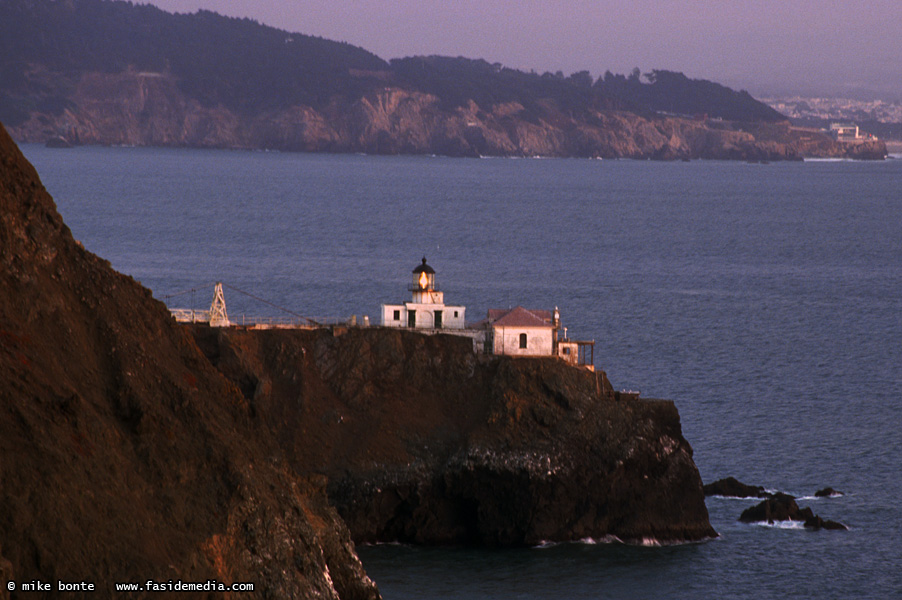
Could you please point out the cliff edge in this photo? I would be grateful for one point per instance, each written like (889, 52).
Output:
(124, 456)
(424, 441)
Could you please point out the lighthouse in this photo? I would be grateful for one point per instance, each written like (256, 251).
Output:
(427, 308)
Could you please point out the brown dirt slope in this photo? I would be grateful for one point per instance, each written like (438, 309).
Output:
(124, 456)
(424, 441)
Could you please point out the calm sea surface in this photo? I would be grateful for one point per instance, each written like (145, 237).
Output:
(765, 300)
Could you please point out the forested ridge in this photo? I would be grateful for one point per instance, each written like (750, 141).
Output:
(246, 67)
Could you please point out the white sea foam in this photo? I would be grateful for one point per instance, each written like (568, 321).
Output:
(782, 524)
(740, 498)
(649, 542)
(400, 544)
(605, 539)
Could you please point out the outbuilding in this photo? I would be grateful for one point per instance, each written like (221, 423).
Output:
(521, 332)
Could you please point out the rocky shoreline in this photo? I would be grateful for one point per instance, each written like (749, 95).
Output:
(149, 109)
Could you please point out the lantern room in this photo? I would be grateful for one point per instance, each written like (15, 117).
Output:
(422, 285)
(423, 277)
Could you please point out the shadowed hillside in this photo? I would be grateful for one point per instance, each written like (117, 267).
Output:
(124, 456)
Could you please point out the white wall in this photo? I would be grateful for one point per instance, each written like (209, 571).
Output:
(425, 315)
(388, 315)
(507, 341)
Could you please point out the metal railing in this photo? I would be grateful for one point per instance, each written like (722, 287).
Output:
(190, 315)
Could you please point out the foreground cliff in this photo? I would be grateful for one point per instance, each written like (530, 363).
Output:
(423, 441)
(124, 456)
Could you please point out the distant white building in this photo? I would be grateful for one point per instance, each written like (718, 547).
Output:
(427, 308)
(844, 132)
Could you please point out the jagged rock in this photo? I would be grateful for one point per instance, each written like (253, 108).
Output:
(730, 487)
(124, 455)
(783, 507)
(816, 522)
(423, 441)
(827, 492)
(779, 507)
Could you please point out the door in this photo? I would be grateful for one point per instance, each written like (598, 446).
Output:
(438, 319)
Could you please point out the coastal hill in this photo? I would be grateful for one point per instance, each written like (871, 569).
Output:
(135, 448)
(104, 72)
(124, 456)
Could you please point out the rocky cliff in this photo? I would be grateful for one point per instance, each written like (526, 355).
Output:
(424, 441)
(124, 456)
(150, 109)
(111, 72)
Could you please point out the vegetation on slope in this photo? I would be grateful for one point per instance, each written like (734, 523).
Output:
(249, 68)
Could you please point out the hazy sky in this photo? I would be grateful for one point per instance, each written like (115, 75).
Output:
(765, 46)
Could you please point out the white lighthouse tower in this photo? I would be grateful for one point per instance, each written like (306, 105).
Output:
(427, 308)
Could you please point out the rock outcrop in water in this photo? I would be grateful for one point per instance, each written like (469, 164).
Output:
(730, 487)
(423, 441)
(783, 507)
(124, 456)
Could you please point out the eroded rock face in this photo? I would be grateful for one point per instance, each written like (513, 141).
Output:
(730, 487)
(423, 441)
(123, 454)
(778, 507)
(149, 109)
(783, 507)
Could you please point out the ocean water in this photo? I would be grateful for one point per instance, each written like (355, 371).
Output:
(765, 300)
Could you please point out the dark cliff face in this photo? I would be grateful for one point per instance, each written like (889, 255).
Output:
(423, 441)
(123, 454)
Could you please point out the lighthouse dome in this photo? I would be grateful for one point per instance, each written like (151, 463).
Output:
(424, 268)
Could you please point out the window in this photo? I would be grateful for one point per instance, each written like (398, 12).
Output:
(566, 350)
(397, 315)
(523, 340)
(455, 314)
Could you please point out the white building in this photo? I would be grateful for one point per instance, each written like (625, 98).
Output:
(521, 332)
(427, 308)
(529, 332)
(844, 131)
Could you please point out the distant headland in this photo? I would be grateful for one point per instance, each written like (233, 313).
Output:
(117, 73)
